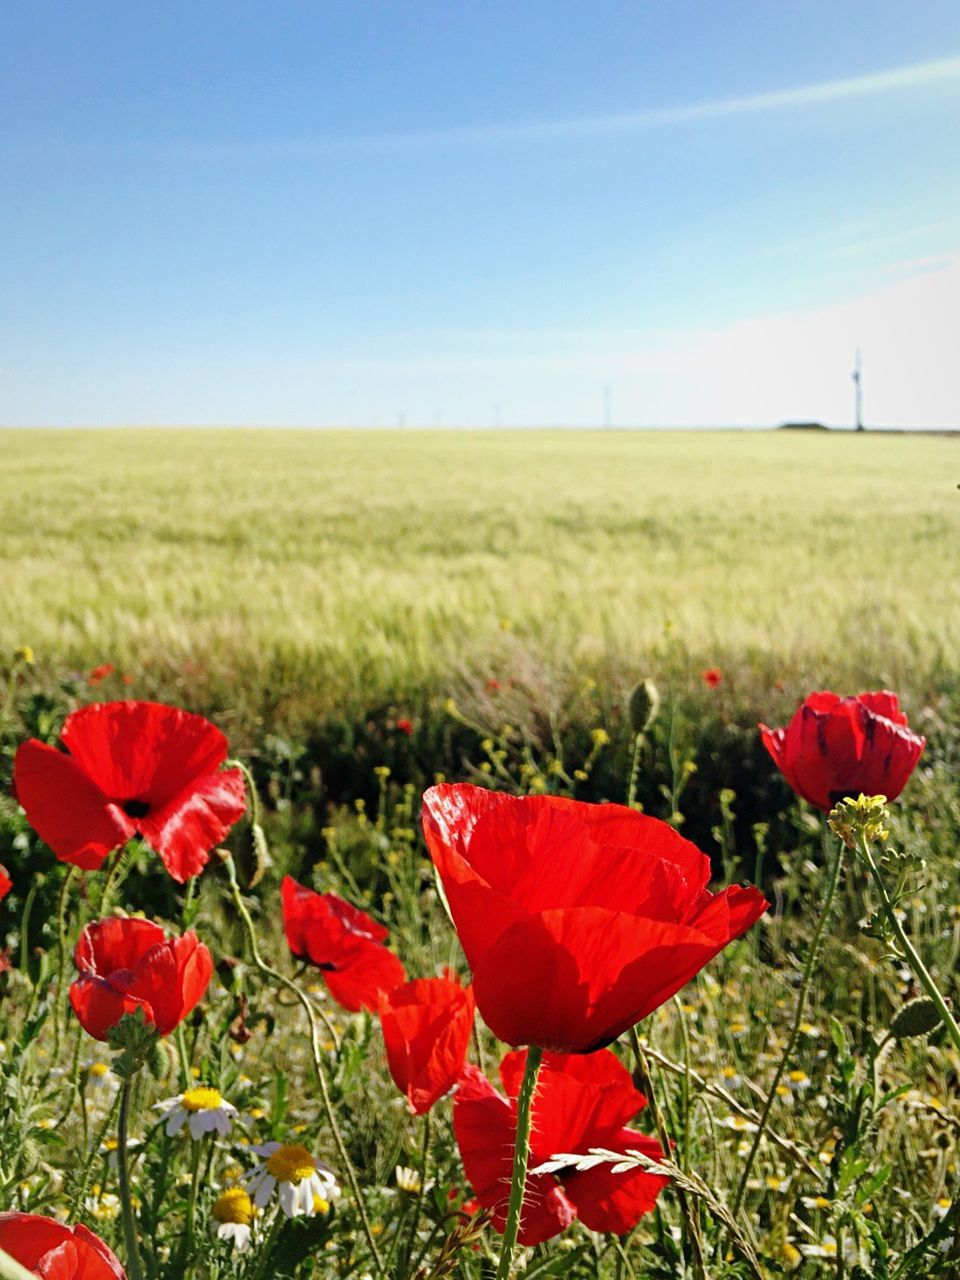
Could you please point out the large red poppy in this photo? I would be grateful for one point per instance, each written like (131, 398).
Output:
(55, 1251)
(577, 919)
(131, 768)
(426, 1029)
(836, 747)
(581, 1101)
(343, 942)
(128, 964)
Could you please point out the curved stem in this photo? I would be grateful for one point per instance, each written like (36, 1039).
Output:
(134, 1264)
(521, 1154)
(916, 964)
(318, 1067)
(832, 882)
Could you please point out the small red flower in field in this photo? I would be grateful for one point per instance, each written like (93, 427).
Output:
(127, 964)
(405, 726)
(131, 768)
(99, 674)
(57, 1252)
(577, 919)
(343, 942)
(6, 884)
(127, 679)
(493, 685)
(712, 677)
(836, 747)
(426, 1028)
(581, 1101)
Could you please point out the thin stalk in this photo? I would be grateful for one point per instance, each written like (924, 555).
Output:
(318, 1066)
(812, 956)
(638, 741)
(920, 970)
(62, 902)
(691, 1222)
(134, 1265)
(521, 1154)
(10, 1268)
(404, 1262)
(187, 1245)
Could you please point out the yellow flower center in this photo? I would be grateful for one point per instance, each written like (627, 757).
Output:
(200, 1099)
(100, 1069)
(320, 1205)
(234, 1205)
(291, 1163)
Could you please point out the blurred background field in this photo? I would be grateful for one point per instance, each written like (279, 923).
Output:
(290, 576)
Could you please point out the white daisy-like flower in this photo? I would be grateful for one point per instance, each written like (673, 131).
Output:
(306, 1185)
(101, 1077)
(202, 1110)
(942, 1207)
(233, 1211)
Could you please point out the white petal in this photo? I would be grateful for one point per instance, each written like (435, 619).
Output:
(175, 1122)
(288, 1199)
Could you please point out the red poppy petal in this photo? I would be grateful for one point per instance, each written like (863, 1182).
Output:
(116, 942)
(56, 1251)
(185, 830)
(615, 1202)
(99, 1006)
(576, 1095)
(27, 1237)
(66, 809)
(883, 703)
(426, 1028)
(6, 884)
(371, 973)
(97, 1261)
(143, 750)
(172, 978)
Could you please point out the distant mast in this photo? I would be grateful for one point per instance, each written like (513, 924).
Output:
(857, 377)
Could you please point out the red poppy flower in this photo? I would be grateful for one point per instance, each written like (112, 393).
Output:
(836, 747)
(581, 1101)
(129, 768)
(712, 676)
(577, 919)
(6, 884)
(343, 942)
(55, 1251)
(128, 964)
(405, 726)
(426, 1028)
(99, 674)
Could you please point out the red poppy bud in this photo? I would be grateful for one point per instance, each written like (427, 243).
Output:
(127, 964)
(131, 768)
(712, 677)
(6, 884)
(836, 747)
(426, 1029)
(344, 944)
(577, 919)
(405, 726)
(55, 1251)
(581, 1101)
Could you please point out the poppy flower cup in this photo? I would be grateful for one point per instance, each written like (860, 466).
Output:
(426, 1029)
(836, 747)
(127, 964)
(131, 768)
(344, 944)
(581, 1101)
(577, 920)
(55, 1251)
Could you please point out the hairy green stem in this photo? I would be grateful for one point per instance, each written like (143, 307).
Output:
(10, 1269)
(812, 956)
(62, 902)
(134, 1265)
(318, 1065)
(521, 1155)
(638, 741)
(187, 1245)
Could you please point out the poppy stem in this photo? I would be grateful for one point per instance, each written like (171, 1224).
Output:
(62, 902)
(10, 1268)
(318, 1066)
(920, 970)
(134, 1265)
(691, 1222)
(521, 1154)
(785, 1057)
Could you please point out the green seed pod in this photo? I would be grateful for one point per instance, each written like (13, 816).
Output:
(644, 706)
(916, 1018)
(261, 855)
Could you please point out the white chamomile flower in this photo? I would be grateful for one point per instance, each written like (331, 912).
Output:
(203, 1110)
(234, 1212)
(306, 1185)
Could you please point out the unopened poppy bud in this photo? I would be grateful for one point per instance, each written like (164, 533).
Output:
(644, 706)
(916, 1018)
(261, 855)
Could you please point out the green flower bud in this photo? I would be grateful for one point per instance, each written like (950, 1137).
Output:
(916, 1018)
(644, 706)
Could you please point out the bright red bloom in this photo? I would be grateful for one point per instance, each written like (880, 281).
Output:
(581, 1101)
(128, 964)
(129, 768)
(712, 676)
(343, 942)
(404, 726)
(6, 884)
(57, 1252)
(577, 919)
(99, 674)
(836, 747)
(426, 1028)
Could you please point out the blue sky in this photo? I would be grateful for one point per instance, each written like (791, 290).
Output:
(364, 212)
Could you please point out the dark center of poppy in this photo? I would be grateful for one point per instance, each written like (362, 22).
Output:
(135, 808)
